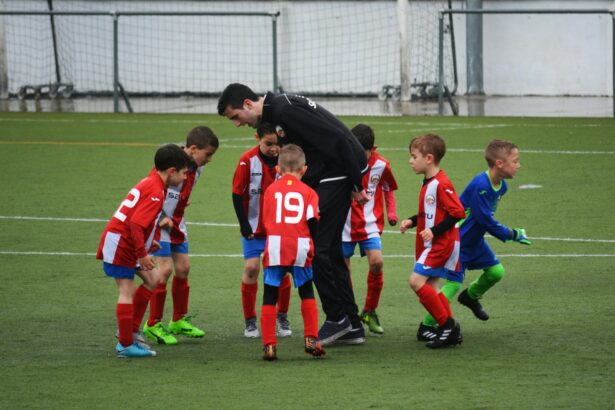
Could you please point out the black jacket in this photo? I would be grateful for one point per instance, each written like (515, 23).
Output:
(332, 152)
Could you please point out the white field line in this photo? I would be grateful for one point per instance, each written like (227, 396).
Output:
(230, 255)
(234, 225)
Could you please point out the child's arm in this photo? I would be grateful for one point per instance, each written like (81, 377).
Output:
(480, 209)
(389, 200)
(244, 224)
(408, 223)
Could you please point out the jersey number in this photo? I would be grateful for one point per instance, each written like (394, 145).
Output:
(293, 205)
(128, 204)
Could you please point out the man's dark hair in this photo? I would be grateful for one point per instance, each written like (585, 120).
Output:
(264, 128)
(234, 95)
(202, 137)
(171, 156)
(365, 135)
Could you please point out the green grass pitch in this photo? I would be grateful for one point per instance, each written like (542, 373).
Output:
(549, 344)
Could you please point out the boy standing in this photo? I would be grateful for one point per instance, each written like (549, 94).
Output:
(255, 171)
(480, 200)
(437, 238)
(290, 217)
(365, 223)
(126, 239)
(201, 145)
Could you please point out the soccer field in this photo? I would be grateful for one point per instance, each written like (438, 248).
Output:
(549, 343)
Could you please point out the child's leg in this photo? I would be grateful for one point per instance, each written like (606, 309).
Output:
(156, 306)
(309, 310)
(180, 289)
(268, 315)
(375, 280)
(449, 290)
(428, 296)
(124, 311)
(284, 294)
(486, 281)
(143, 295)
(249, 287)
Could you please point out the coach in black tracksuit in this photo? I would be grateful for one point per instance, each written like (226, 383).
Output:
(336, 162)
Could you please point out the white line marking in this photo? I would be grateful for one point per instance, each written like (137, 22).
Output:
(233, 225)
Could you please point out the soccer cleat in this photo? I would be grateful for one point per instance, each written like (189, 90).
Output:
(313, 347)
(448, 334)
(251, 330)
(138, 339)
(473, 304)
(331, 331)
(425, 333)
(370, 318)
(184, 327)
(283, 325)
(356, 336)
(134, 350)
(159, 334)
(270, 353)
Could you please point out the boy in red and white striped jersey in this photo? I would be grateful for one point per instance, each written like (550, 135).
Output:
(437, 237)
(365, 223)
(290, 216)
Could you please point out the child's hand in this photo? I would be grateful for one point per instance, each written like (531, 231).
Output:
(165, 223)
(392, 222)
(147, 263)
(405, 225)
(155, 247)
(426, 235)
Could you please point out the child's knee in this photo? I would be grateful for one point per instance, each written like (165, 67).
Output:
(416, 281)
(495, 273)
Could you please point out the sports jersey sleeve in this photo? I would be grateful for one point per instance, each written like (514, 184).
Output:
(241, 178)
(147, 208)
(449, 201)
(481, 212)
(388, 179)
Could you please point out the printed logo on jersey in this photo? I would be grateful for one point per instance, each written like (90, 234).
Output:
(155, 199)
(430, 199)
(257, 174)
(375, 179)
(280, 131)
(450, 191)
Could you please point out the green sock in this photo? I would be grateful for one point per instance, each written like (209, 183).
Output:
(449, 290)
(485, 281)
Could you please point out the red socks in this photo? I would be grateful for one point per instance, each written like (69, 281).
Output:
(248, 299)
(432, 302)
(268, 318)
(180, 291)
(139, 304)
(123, 312)
(309, 312)
(156, 304)
(374, 289)
(284, 294)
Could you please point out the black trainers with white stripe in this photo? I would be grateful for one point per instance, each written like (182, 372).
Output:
(425, 333)
(448, 335)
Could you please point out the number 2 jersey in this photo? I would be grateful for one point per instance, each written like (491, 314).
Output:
(288, 205)
(367, 220)
(175, 204)
(130, 231)
(437, 201)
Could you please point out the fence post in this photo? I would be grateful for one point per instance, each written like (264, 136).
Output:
(274, 29)
(613, 66)
(116, 80)
(440, 63)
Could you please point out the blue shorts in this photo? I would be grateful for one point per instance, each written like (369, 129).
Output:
(166, 248)
(480, 256)
(425, 270)
(253, 248)
(273, 275)
(119, 272)
(366, 245)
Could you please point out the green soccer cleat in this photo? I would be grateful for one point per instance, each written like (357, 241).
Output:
(184, 327)
(159, 334)
(371, 320)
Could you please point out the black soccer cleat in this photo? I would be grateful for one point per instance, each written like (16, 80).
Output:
(448, 335)
(473, 304)
(425, 333)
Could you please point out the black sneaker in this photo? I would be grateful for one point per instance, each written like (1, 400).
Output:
(473, 304)
(356, 336)
(448, 335)
(425, 333)
(331, 331)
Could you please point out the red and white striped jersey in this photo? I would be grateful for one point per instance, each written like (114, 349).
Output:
(175, 205)
(142, 206)
(251, 179)
(288, 205)
(438, 200)
(367, 220)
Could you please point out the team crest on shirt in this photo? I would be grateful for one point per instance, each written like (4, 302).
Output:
(375, 179)
(430, 199)
(280, 131)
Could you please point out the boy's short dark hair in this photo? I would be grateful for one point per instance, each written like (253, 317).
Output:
(291, 158)
(265, 128)
(365, 135)
(234, 95)
(429, 144)
(498, 149)
(202, 137)
(171, 156)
